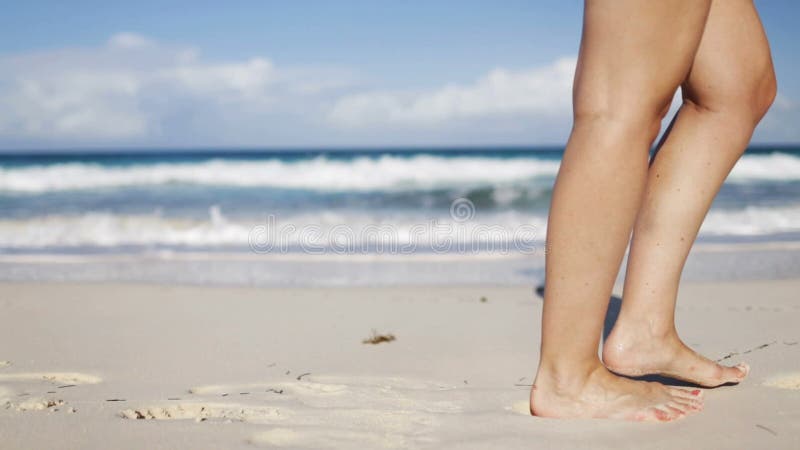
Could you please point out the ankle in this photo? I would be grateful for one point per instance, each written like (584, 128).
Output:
(643, 330)
(565, 378)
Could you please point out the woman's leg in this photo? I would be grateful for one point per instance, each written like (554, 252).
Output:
(634, 54)
(728, 90)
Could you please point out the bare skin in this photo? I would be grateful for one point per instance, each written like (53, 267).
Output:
(633, 57)
(720, 56)
(729, 88)
(605, 395)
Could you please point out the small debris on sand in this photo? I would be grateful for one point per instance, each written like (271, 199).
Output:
(378, 338)
(767, 429)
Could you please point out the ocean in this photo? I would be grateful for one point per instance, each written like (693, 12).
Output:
(414, 202)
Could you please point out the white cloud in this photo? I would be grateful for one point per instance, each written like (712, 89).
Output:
(129, 88)
(72, 104)
(543, 91)
(127, 40)
(248, 78)
(133, 90)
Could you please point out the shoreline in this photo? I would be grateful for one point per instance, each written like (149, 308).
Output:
(774, 260)
(212, 255)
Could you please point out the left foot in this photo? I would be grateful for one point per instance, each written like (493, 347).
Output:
(639, 353)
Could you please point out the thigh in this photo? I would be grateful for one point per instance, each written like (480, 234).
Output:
(732, 69)
(635, 53)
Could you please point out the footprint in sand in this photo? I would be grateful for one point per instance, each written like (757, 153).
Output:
(786, 381)
(39, 404)
(204, 411)
(52, 377)
(347, 392)
(321, 411)
(29, 391)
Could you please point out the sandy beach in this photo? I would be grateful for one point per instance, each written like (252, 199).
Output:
(328, 225)
(160, 366)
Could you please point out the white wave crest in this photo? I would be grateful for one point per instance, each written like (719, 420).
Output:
(310, 230)
(772, 166)
(324, 174)
(385, 173)
(325, 229)
(752, 221)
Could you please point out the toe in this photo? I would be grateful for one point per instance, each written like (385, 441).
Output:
(693, 394)
(673, 410)
(712, 374)
(744, 370)
(678, 410)
(662, 413)
(653, 415)
(689, 401)
(734, 374)
(690, 405)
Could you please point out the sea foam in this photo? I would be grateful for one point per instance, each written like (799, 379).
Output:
(325, 229)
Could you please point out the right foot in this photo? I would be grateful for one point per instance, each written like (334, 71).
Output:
(633, 351)
(605, 395)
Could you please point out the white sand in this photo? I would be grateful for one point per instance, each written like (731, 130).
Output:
(131, 367)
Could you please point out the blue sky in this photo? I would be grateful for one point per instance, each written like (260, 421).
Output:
(309, 73)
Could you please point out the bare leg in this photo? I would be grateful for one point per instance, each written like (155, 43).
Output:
(729, 89)
(634, 54)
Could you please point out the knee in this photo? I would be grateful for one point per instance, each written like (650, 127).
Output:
(764, 95)
(757, 96)
(630, 121)
(745, 99)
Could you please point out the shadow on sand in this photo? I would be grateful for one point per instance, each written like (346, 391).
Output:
(614, 306)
